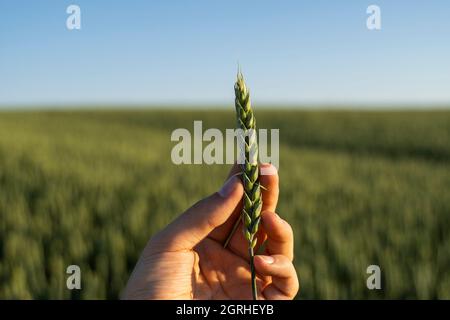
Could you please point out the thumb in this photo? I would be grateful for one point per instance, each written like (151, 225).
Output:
(199, 220)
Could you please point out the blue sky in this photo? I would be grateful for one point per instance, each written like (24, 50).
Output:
(291, 52)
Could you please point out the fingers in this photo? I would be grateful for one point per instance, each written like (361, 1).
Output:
(268, 176)
(280, 237)
(285, 283)
(199, 220)
(280, 246)
(269, 180)
(239, 244)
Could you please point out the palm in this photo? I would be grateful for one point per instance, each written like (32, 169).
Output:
(220, 273)
(209, 271)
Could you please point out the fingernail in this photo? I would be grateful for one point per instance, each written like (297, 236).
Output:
(228, 187)
(267, 259)
(268, 169)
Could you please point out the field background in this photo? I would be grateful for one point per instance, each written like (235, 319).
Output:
(359, 188)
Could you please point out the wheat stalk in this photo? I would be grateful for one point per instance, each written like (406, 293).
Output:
(252, 199)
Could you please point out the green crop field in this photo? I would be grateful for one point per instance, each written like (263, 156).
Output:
(359, 188)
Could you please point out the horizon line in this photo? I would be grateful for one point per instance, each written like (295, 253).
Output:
(223, 106)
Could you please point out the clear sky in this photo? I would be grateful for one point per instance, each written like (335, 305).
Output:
(136, 52)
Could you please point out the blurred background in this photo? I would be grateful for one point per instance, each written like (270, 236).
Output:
(86, 116)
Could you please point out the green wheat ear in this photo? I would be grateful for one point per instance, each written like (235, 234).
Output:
(252, 200)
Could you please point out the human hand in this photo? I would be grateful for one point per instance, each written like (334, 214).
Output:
(187, 260)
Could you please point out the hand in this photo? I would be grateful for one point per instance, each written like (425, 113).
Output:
(187, 260)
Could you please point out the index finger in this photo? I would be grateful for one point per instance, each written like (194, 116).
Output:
(269, 180)
(280, 237)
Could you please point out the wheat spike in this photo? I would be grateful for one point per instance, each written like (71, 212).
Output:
(252, 199)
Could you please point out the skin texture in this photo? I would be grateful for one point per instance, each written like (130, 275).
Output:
(186, 260)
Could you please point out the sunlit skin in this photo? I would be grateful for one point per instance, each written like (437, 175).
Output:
(187, 260)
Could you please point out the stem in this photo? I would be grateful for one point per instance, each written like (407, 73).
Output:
(252, 263)
(252, 268)
(230, 235)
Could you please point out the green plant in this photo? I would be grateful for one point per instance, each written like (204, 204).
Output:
(252, 199)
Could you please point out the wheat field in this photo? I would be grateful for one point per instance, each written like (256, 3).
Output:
(359, 188)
